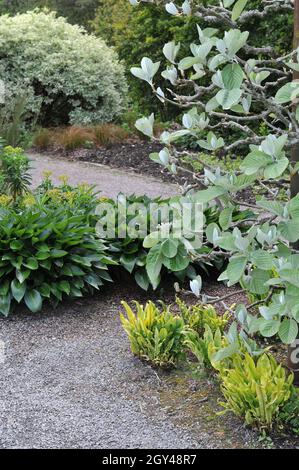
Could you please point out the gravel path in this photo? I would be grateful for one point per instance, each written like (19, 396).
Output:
(109, 181)
(70, 381)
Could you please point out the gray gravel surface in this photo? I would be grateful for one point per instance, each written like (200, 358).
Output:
(109, 181)
(70, 381)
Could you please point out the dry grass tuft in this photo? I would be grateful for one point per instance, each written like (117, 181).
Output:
(75, 137)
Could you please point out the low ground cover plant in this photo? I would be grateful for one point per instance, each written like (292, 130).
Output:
(255, 386)
(256, 390)
(155, 336)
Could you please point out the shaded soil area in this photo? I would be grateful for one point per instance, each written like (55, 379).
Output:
(73, 383)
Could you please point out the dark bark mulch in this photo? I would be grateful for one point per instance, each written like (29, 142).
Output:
(133, 156)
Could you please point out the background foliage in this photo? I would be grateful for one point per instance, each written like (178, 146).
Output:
(66, 75)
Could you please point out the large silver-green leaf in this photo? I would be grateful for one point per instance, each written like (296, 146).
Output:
(235, 269)
(227, 98)
(288, 331)
(232, 76)
(287, 93)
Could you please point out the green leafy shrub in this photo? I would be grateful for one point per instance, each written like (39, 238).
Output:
(155, 336)
(14, 172)
(150, 257)
(69, 76)
(256, 391)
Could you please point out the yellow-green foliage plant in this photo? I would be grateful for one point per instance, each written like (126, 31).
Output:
(198, 317)
(155, 336)
(255, 391)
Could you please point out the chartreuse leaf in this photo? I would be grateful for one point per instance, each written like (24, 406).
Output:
(238, 8)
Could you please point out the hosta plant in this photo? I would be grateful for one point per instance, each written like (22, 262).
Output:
(48, 254)
(149, 253)
(256, 391)
(155, 335)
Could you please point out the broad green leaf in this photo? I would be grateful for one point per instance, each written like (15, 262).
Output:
(287, 93)
(254, 161)
(58, 253)
(276, 169)
(232, 76)
(290, 230)
(170, 50)
(31, 263)
(18, 290)
(269, 328)
(5, 301)
(235, 269)
(227, 98)
(274, 207)
(33, 300)
(142, 280)
(169, 248)
(188, 62)
(154, 265)
(209, 194)
(257, 282)
(262, 259)
(238, 8)
(225, 218)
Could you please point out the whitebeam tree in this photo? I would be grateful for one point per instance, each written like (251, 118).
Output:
(233, 86)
